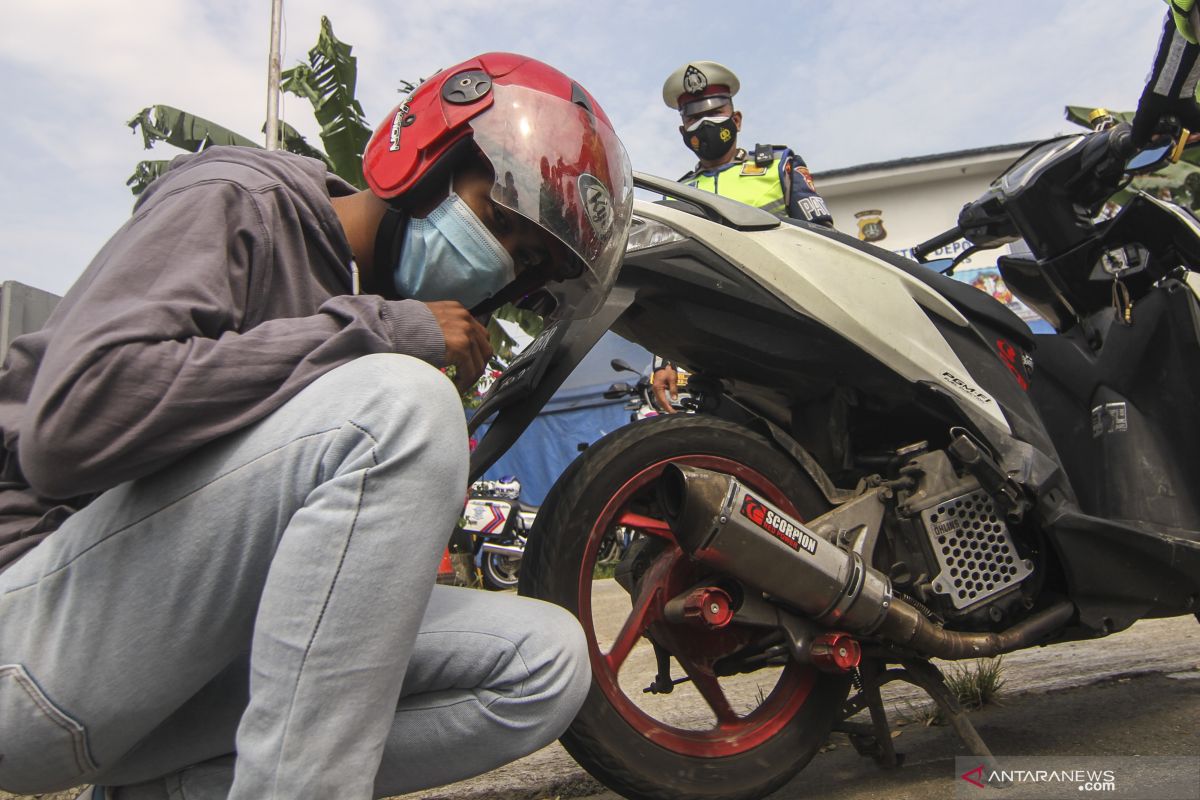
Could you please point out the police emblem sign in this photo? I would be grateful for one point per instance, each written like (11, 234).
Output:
(870, 225)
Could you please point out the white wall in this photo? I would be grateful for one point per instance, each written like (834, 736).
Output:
(23, 309)
(916, 201)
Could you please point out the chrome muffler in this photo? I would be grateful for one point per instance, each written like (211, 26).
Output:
(509, 550)
(721, 523)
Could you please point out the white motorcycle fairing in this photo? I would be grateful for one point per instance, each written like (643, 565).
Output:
(849, 292)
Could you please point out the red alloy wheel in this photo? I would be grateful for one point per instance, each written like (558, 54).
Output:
(695, 647)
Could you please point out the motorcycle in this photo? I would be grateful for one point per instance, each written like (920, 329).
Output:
(643, 403)
(493, 531)
(885, 467)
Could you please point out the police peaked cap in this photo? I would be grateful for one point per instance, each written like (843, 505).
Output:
(698, 86)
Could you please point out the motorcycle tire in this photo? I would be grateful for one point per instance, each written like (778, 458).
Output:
(500, 572)
(621, 744)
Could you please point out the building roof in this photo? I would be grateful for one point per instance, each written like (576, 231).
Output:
(919, 169)
(913, 161)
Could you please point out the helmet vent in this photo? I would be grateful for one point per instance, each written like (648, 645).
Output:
(580, 98)
(467, 87)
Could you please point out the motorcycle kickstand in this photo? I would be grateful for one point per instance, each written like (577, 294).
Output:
(874, 740)
(926, 676)
(663, 682)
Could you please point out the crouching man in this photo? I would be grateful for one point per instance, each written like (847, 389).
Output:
(231, 462)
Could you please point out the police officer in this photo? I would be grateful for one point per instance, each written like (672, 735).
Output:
(771, 177)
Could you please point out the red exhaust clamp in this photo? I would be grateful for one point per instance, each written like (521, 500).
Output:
(708, 606)
(835, 652)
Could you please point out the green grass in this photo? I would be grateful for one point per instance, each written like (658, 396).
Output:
(977, 684)
(974, 684)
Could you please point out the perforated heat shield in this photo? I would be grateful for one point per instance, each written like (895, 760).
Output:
(974, 549)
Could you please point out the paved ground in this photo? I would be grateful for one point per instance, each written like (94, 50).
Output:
(1149, 714)
(1104, 697)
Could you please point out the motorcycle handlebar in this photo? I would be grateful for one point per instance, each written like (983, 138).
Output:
(941, 240)
(1120, 141)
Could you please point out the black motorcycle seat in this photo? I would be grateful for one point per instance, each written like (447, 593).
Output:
(972, 303)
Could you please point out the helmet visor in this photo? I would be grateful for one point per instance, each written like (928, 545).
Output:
(565, 170)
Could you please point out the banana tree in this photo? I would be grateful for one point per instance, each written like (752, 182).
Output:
(327, 80)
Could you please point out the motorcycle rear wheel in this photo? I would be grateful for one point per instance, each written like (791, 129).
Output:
(654, 748)
(500, 571)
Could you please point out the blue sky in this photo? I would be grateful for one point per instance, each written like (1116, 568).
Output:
(842, 83)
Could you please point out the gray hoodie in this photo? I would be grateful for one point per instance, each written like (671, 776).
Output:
(225, 293)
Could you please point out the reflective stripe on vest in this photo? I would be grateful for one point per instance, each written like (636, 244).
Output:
(761, 191)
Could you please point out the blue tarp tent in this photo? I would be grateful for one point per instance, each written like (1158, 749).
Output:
(576, 416)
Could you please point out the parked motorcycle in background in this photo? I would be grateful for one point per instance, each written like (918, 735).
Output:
(643, 403)
(490, 540)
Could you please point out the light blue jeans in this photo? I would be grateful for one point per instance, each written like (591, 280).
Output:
(265, 609)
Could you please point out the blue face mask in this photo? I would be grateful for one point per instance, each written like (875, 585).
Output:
(451, 255)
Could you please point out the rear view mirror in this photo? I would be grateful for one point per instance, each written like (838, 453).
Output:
(620, 365)
(1149, 159)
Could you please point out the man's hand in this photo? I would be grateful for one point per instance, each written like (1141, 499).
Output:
(467, 346)
(665, 380)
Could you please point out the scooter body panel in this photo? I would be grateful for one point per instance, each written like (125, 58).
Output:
(878, 308)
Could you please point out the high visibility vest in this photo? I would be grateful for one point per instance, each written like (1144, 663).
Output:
(1179, 12)
(747, 183)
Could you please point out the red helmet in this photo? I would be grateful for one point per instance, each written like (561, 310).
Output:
(556, 159)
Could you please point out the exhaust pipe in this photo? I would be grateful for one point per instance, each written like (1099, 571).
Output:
(719, 522)
(504, 549)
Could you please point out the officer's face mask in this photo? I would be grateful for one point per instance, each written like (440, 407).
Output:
(711, 137)
(451, 255)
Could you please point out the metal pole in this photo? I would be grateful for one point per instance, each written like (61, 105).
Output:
(273, 76)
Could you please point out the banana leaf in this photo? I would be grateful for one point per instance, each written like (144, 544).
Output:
(179, 128)
(328, 80)
(145, 174)
(183, 130)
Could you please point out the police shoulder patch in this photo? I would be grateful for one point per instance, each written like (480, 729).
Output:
(804, 173)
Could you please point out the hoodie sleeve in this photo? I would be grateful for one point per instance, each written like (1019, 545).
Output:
(156, 350)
